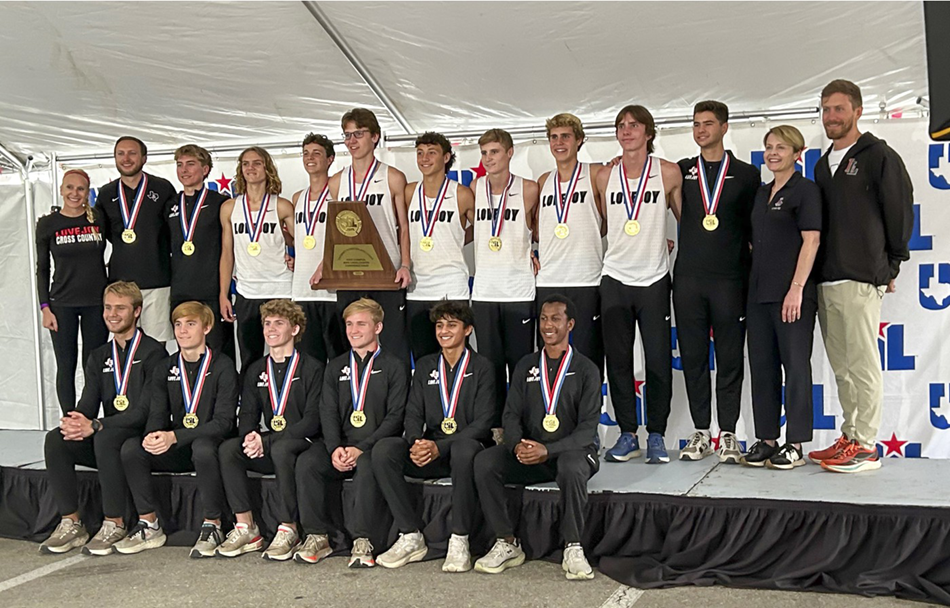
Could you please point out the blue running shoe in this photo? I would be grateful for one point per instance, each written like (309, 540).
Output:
(627, 447)
(656, 451)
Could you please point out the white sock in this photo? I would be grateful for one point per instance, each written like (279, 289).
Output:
(151, 524)
(705, 432)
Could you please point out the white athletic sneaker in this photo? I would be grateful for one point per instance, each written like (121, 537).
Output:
(242, 539)
(502, 556)
(729, 450)
(208, 541)
(697, 447)
(408, 548)
(314, 548)
(575, 564)
(283, 546)
(105, 539)
(67, 536)
(141, 537)
(458, 558)
(361, 556)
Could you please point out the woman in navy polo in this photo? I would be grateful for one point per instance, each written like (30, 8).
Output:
(783, 301)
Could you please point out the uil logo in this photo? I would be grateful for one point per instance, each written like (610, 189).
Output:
(174, 373)
(939, 407)
(890, 344)
(345, 373)
(109, 365)
(534, 374)
(433, 377)
(820, 420)
(934, 294)
(939, 158)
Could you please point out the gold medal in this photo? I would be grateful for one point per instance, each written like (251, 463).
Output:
(309, 242)
(494, 243)
(128, 236)
(254, 249)
(190, 421)
(550, 423)
(188, 248)
(121, 403)
(561, 231)
(357, 418)
(632, 227)
(449, 426)
(426, 243)
(710, 222)
(278, 423)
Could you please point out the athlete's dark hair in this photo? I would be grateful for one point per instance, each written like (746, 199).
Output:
(448, 309)
(719, 109)
(323, 141)
(556, 298)
(130, 138)
(642, 116)
(437, 139)
(844, 86)
(364, 119)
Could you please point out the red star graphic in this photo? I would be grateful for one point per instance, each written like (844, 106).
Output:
(880, 331)
(715, 442)
(637, 384)
(479, 171)
(224, 184)
(893, 445)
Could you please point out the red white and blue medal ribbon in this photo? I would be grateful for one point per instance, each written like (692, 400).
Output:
(634, 202)
(189, 396)
(562, 205)
(711, 201)
(254, 229)
(551, 394)
(351, 176)
(278, 401)
(310, 217)
(498, 213)
(129, 218)
(119, 375)
(359, 385)
(450, 402)
(188, 225)
(426, 218)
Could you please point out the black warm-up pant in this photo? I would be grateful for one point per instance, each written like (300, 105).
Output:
(504, 333)
(250, 330)
(279, 459)
(391, 465)
(624, 309)
(70, 319)
(320, 483)
(772, 346)
(99, 451)
(200, 456)
(395, 337)
(496, 466)
(719, 304)
(221, 337)
(322, 338)
(421, 330)
(587, 336)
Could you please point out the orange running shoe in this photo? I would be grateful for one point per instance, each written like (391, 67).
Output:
(853, 459)
(818, 456)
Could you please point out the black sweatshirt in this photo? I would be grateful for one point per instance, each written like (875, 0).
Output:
(578, 409)
(868, 214)
(476, 406)
(100, 383)
(303, 406)
(77, 248)
(722, 253)
(384, 407)
(195, 277)
(147, 260)
(217, 407)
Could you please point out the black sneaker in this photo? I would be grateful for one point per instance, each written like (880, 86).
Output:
(787, 458)
(758, 454)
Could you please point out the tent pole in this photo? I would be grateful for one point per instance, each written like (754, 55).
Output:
(357, 64)
(31, 232)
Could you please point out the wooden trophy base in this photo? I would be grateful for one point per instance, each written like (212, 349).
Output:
(354, 257)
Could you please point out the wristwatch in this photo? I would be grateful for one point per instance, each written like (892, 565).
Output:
(96, 426)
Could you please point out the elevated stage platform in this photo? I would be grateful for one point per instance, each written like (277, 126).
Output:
(684, 523)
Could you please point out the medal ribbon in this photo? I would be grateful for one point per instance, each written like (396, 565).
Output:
(366, 181)
(278, 401)
(633, 206)
(254, 230)
(310, 218)
(191, 398)
(498, 214)
(428, 221)
(711, 203)
(450, 404)
(563, 206)
(188, 227)
(358, 387)
(120, 376)
(552, 394)
(129, 218)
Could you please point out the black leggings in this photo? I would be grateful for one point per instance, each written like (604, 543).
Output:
(250, 330)
(66, 347)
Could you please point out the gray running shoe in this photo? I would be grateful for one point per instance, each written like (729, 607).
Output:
(458, 558)
(140, 538)
(314, 548)
(104, 540)
(502, 556)
(67, 536)
(208, 541)
(283, 546)
(575, 564)
(697, 447)
(362, 554)
(729, 450)
(407, 549)
(242, 539)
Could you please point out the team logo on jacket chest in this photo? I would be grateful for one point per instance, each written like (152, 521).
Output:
(262, 380)
(534, 375)
(174, 374)
(109, 365)
(345, 374)
(433, 377)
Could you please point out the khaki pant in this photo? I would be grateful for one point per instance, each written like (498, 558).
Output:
(850, 315)
(156, 317)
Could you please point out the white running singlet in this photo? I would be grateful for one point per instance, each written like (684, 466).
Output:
(379, 201)
(505, 275)
(265, 276)
(307, 260)
(442, 271)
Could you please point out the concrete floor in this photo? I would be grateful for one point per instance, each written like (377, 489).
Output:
(166, 577)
